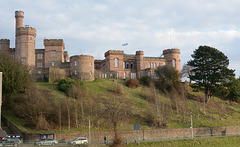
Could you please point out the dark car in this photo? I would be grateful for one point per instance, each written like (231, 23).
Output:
(46, 142)
(11, 142)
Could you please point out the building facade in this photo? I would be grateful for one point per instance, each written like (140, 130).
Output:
(116, 64)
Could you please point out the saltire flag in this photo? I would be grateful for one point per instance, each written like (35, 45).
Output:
(125, 44)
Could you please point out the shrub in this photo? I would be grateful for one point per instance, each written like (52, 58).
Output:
(117, 88)
(132, 83)
(65, 84)
(145, 80)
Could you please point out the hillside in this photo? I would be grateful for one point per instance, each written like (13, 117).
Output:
(172, 112)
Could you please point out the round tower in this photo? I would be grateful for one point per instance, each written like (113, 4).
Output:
(172, 57)
(82, 66)
(19, 15)
(140, 64)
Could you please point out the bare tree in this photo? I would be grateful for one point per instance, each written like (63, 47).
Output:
(115, 109)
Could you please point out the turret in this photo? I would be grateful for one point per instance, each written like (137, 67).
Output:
(172, 57)
(19, 15)
(139, 58)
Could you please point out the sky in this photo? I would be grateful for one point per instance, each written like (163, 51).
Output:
(92, 27)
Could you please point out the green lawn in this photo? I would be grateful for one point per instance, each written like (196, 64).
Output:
(204, 142)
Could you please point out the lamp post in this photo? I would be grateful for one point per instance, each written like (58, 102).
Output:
(191, 124)
(89, 130)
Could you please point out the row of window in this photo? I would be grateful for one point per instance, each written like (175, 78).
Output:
(40, 56)
(76, 72)
(76, 63)
(39, 64)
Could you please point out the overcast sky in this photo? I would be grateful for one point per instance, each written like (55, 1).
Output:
(92, 27)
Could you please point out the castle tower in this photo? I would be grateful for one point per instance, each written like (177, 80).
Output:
(54, 52)
(4, 45)
(172, 57)
(140, 64)
(25, 41)
(19, 15)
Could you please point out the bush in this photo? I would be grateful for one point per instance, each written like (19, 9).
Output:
(65, 84)
(117, 88)
(145, 80)
(132, 83)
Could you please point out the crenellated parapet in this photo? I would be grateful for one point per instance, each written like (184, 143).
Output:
(53, 42)
(26, 31)
(4, 41)
(171, 51)
(114, 52)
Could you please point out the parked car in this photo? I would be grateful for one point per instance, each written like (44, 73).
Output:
(11, 142)
(80, 140)
(46, 142)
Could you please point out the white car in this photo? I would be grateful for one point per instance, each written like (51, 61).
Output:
(80, 140)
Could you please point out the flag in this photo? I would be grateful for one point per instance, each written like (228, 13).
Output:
(125, 44)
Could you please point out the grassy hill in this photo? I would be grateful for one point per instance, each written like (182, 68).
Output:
(174, 110)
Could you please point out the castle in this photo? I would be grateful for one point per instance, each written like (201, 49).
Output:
(116, 64)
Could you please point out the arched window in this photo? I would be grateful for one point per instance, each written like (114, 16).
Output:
(116, 62)
(131, 65)
(124, 65)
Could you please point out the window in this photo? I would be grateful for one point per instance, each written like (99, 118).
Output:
(154, 65)
(75, 63)
(117, 75)
(141, 64)
(39, 64)
(116, 62)
(174, 63)
(39, 72)
(127, 65)
(90, 72)
(131, 65)
(149, 65)
(75, 72)
(124, 65)
(90, 63)
(39, 56)
(133, 75)
(139, 75)
(71, 63)
(53, 53)
(124, 75)
(53, 63)
(23, 61)
(149, 73)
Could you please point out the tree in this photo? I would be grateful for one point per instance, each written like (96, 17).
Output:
(65, 84)
(234, 90)
(168, 78)
(186, 71)
(16, 78)
(116, 108)
(210, 68)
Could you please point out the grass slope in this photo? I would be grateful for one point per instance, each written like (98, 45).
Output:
(218, 112)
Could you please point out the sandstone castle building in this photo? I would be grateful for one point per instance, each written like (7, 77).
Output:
(116, 64)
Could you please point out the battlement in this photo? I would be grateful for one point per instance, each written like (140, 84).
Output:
(139, 52)
(81, 56)
(115, 52)
(53, 42)
(170, 51)
(4, 41)
(26, 31)
(19, 14)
